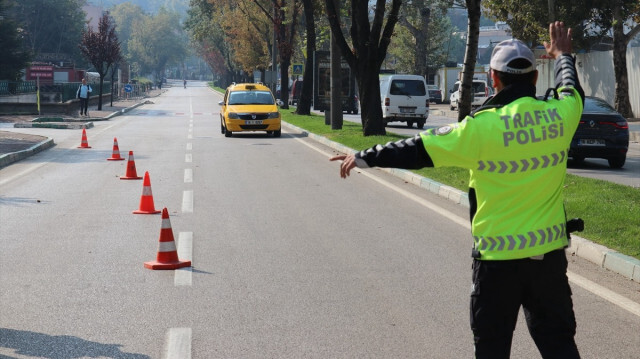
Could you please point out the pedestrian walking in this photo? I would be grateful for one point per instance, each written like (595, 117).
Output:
(515, 147)
(83, 93)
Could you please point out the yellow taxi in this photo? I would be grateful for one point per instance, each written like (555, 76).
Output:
(249, 107)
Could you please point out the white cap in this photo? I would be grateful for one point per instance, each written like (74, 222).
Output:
(509, 50)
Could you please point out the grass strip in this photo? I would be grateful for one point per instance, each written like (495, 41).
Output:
(611, 212)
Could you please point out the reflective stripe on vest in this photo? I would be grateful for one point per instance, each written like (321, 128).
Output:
(521, 241)
(525, 164)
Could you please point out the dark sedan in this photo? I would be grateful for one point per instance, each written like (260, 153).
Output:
(602, 133)
(435, 95)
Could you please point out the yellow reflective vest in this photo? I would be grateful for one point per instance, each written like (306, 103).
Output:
(517, 157)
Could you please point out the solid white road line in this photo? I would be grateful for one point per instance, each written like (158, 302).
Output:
(178, 343)
(183, 276)
(590, 286)
(187, 201)
(605, 293)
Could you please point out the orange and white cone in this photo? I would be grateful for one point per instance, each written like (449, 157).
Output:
(115, 155)
(167, 257)
(146, 200)
(131, 174)
(84, 143)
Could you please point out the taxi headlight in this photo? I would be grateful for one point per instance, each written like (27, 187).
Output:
(233, 116)
(273, 115)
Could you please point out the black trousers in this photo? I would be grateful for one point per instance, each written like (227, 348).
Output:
(84, 104)
(541, 287)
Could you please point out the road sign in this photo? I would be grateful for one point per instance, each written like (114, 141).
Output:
(297, 69)
(128, 88)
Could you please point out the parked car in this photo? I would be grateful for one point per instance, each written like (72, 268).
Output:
(602, 133)
(481, 91)
(435, 95)
(249, 107)
(404, 99)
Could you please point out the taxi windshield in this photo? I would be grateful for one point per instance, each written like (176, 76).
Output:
(250, 98)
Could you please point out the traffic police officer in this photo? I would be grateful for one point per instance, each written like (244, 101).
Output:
(515, 147)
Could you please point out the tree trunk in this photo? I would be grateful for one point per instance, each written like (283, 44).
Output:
(336, 82)
(99, 92)
(620, 41)
(285, 62)
(304, 105)
(471, 53)
(370, 41)
(422, 42)
(369, 92)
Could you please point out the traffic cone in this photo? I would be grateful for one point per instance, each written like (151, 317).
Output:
(115, 155)
(131, 169)
(84, 143)
(146, 201)
(167, 257)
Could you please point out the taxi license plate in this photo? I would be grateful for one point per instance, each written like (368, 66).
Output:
(253, 122)
(591, 142)
(407, 109)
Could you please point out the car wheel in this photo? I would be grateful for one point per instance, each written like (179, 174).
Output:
(355, 112)
(617, 162)
(277, 133)
(451, 106)
(227, 133)
(221, 127)
(420, 124)
(409, 124)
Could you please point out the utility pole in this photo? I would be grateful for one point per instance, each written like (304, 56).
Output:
(336, 78)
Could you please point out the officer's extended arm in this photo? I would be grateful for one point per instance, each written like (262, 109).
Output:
(559, 47)
(407, 153)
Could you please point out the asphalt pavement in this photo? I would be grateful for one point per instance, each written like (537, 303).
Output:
(17, 146)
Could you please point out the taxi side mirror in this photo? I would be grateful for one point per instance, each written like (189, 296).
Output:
(221, 103)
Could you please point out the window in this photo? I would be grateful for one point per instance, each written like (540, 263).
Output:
(408, 88)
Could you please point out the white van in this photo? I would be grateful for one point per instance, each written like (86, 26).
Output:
(481, 92)
(404, 99)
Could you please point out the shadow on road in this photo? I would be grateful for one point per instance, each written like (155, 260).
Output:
(39, 345)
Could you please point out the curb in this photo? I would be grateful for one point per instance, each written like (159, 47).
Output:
(583, 248)
(10, 158)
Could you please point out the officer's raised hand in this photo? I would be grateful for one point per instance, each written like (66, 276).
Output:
(560, 42)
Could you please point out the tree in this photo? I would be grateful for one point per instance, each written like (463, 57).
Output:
(422, 40)
(125, 15)
(204, 25)
(471, 53)
(284, 19)
(101, 48)
(304, 106)
(51, 29)
(370, 41)
(623, 10)
(158, 41)
(590, 20)
(15, 57)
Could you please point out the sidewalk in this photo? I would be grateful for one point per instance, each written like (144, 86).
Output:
(15, 147)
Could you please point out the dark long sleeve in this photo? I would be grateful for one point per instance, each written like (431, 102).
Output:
(408, 153)
(566, 74)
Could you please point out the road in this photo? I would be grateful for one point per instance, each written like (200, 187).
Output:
(629, 175)
(289, 260)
